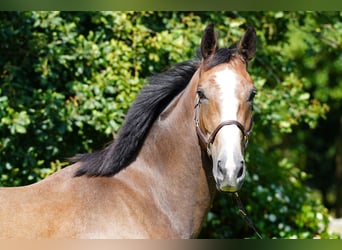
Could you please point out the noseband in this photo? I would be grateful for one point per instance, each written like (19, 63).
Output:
(209, 142)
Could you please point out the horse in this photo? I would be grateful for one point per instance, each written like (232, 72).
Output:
(183, 140)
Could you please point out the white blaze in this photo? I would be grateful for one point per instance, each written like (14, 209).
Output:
(227, 82)
(228, 145)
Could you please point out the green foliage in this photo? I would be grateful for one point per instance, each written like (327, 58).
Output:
(68, 78)
(275, 193)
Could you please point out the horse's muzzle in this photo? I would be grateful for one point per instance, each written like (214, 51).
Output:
(229, 179)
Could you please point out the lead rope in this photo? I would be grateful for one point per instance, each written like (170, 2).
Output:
(244, 215)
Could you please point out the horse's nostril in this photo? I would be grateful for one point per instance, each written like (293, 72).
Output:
(240, 173)
(220, 167)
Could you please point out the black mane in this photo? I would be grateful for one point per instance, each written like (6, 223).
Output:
(152, 100)
(149, 104)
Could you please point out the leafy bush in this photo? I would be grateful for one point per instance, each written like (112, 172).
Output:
(68, 78)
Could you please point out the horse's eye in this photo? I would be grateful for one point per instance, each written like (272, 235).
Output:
(200, 93)
(252, 95)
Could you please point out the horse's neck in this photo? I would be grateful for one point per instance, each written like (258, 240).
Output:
(182, 188)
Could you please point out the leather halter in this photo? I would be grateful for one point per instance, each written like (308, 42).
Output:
(208, 142)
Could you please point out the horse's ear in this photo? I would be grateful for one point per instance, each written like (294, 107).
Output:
(209, 43)
(247, 44)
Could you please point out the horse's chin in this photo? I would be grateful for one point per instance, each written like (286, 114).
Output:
(227, 188)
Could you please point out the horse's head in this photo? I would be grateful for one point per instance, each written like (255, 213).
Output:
(224, 106)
